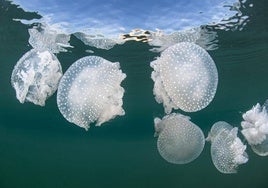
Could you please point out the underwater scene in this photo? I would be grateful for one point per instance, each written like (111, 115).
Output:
(133, 94)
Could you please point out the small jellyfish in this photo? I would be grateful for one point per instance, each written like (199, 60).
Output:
(179, 140)
(90, 91)
(35, 77)
(227, 150)
(160, 41)
(98, 41)
(255, 128)
(185, 77)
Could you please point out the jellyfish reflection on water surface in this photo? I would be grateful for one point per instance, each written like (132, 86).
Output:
(90, 91)
(227, 150)
(255, 128)
(179, 140)
(185, 77)
(35, 77)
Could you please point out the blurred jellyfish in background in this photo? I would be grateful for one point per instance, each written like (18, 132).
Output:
(255, 128)
(90, 91)
(185, 77)
(48, 37)
(35, 77)
(179, 140)
(227, 150)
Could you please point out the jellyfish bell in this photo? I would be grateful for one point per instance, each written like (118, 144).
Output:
(217, 128)
(255, 128)
(185, 77)
(227, 150)
(90, 91)
(35, 77)
(261, 149)
(179, 140)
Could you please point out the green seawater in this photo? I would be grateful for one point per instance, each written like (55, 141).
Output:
(40, 149)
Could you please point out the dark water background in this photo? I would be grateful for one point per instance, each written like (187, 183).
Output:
(39, 148)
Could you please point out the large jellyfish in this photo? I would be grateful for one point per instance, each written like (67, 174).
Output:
(35, 77)
(185, 77)
(90, 91)
(179, 140)
(227, 150)
(255, 128)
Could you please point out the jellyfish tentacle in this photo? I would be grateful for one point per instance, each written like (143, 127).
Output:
(255, 128)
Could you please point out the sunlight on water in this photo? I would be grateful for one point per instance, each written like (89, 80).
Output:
(118, 16)
(103, 24)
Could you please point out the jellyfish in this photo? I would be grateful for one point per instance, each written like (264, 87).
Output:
(227, 150)
(48, 37)
(98, 41)
(90, 91)
(35, 77)
(185, 77)
(255, 128)
(160, 41)
(179, 140)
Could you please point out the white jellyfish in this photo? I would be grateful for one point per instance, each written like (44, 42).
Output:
(90, 91)
(227, 150)
(48, 37)
(185, 77)
(255, 128)
(179, 140)
(98, 41)
(160, 41)
(35, 77)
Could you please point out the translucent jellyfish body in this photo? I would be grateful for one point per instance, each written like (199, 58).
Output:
(98, 41)
(90, 91)
(227, 150)
(179, 140)
(45, 37)
(35, 77)
(185, 77)
(255, 128)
